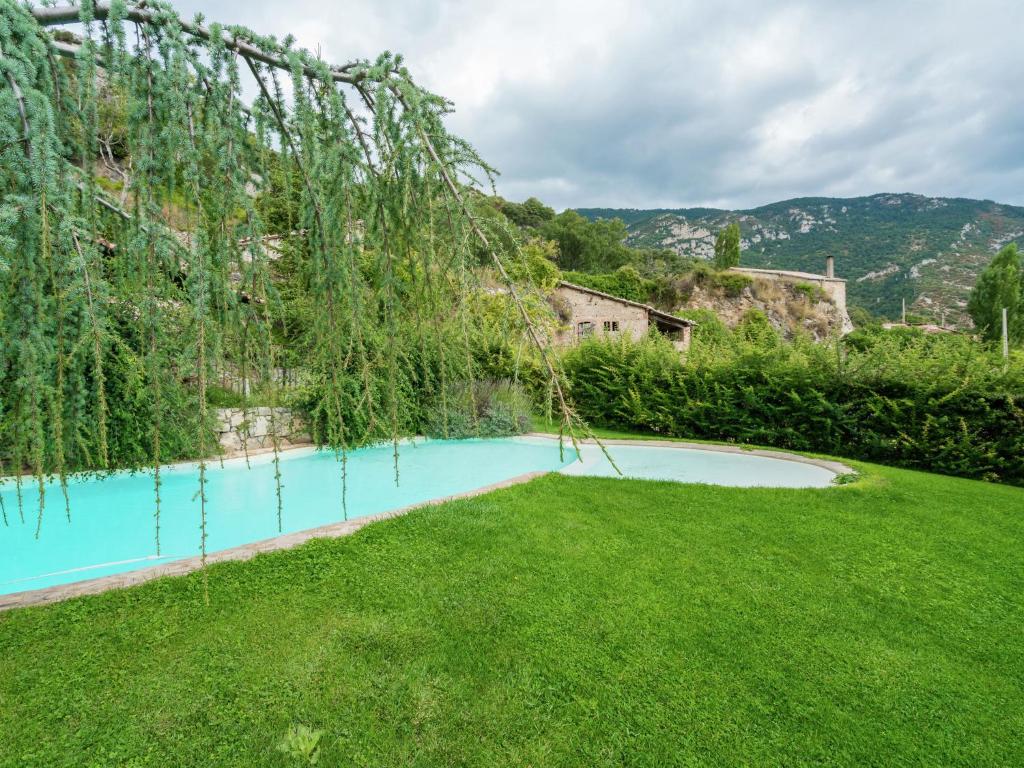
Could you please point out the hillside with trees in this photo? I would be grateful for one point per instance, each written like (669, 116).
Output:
(598, 253)
(890, 247)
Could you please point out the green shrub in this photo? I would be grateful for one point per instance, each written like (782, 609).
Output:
(489, 408)
(813, 293)
(710, 330)
(731, 283)
(625, 282)
(222, 397)
(756, 328)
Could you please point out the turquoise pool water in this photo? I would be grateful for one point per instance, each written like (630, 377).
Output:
(111, 528)
(692, 465)
(112, 531)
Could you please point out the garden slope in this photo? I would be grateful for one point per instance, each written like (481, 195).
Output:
(564, 622)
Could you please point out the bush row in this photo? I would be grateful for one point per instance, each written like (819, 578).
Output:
(942, 405)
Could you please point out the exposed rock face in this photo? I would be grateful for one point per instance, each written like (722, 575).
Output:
(254, 428)
(790, 309)
(828, 290)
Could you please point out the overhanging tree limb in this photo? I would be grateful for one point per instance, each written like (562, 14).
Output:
(49, 16)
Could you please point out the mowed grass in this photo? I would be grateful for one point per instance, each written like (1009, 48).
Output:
(569, 621)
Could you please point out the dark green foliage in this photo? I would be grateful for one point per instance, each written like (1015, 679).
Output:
(500, 360)
(860, 317)
(531, 213)
(487, 408)
(999, 286)
(625, 282)
(727, 247)
(731, 283)
(564, 622)
(587, 246)
(938, 403)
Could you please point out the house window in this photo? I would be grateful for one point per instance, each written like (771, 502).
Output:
(611, 326)
(585, 329)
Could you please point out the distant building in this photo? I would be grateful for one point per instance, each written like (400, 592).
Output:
(593, 313)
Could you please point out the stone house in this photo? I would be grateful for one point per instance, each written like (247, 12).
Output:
(588, 312)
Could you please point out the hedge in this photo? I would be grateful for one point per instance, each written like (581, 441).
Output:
(945, 406)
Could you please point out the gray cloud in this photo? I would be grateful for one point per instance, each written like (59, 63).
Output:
(729, 104)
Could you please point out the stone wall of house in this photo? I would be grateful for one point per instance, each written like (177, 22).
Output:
(682, 339)
(834, 287)
(256, 426)
(586, 307)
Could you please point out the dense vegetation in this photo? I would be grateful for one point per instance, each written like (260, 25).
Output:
(941, 403)
(727, 246)
(928, 251)
(1000, 288)
(580, 244)
(564, 622)
(158, 235)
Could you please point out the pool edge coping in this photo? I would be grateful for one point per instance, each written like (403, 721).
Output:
(836, 467)
(241, 553)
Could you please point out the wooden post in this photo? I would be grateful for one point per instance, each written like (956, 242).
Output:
(903, 314)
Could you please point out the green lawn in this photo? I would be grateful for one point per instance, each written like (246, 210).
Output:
(569, 621)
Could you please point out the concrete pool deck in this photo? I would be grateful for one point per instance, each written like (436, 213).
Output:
(243, 552)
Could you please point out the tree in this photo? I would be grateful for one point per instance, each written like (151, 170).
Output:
(587, 246)
(1001, 284)
(536, 265)
(113, 328)
(727, 247)
(531, 213)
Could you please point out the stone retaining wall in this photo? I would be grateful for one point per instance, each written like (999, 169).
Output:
(255, 427)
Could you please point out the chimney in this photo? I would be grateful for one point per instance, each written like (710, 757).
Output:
(830, 266)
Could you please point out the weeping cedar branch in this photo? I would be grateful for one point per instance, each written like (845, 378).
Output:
(395, 168)
(348, 74)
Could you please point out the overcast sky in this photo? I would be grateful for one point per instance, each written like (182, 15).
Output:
(726, 104)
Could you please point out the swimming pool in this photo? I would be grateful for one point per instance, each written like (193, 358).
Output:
(741, 469)
(112, 528)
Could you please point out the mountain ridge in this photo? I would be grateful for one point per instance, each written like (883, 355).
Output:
(889, 246)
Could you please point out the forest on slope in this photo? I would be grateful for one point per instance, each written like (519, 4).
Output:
(890, 247)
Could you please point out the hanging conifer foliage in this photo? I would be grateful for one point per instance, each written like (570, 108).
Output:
(157, 232)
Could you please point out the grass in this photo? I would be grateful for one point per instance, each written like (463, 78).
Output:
(568, 621)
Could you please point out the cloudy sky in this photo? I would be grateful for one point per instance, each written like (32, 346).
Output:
(727, 104)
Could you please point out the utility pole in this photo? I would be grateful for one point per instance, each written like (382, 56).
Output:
(903, 314)
(1006, 336)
